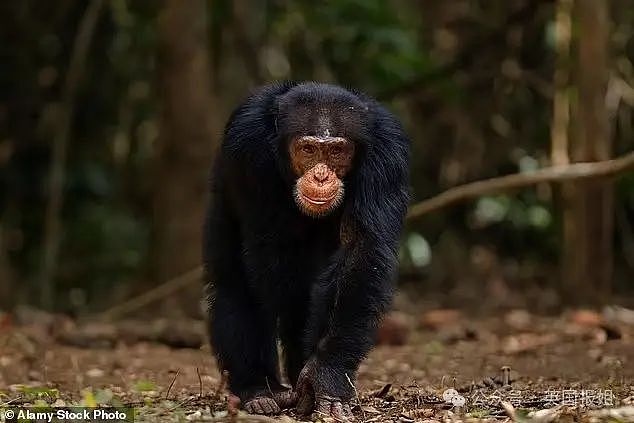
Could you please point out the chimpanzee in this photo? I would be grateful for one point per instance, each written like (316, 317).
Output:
(309, 193)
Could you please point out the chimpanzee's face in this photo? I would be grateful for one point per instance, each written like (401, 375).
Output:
(320, 163)
(322, 127)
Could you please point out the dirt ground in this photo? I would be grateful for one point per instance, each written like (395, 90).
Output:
(448, 367)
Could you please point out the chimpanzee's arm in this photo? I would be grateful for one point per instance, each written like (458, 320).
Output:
(359, 283)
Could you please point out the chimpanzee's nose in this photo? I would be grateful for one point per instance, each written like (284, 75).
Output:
(321, 172)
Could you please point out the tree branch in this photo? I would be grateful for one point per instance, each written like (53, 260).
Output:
(505, 183)
(452, 196)
(161, 291)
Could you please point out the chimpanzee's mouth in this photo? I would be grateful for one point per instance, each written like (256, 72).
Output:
(319, 201)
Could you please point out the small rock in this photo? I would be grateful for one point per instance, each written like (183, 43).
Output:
(619, 314)
(59, 403)
(518, 319)
(95, 373)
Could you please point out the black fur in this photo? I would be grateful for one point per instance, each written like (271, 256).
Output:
(273, 272)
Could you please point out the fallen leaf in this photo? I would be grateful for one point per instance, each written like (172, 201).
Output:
(382, 393)
(370, 409)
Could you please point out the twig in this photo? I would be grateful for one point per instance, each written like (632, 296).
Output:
(154, 294)
(78, 374)
(509, 409)
(59, 151)
(356, 394)
(268, 386)
(200, 383)
(499, 184)
(16, 400)
(182, 403)
(224, 377)
(506, 375)
(167, 394)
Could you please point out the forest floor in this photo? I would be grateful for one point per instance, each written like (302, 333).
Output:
(441, 366)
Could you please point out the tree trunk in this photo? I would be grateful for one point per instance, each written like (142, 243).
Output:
(53, 229)
(588, 234)
(186, 142)
(7, 282)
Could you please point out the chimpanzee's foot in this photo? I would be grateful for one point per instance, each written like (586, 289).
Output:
(270, 403)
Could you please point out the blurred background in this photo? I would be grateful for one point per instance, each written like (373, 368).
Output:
(110, 113)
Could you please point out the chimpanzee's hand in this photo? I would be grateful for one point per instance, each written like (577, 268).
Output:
(319, 389)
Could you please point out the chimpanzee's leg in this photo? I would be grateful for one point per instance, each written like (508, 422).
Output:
(242, 334)
(245, 344)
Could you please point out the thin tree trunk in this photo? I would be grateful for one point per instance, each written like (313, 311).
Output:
(559, 134)
(186, 142)
(561, 98)
(588, 256)
(57, 172)
(7, 281)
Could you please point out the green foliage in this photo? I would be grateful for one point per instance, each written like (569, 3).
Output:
(34, 393)
(144, 386)
(490, 210)
(369, 41)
